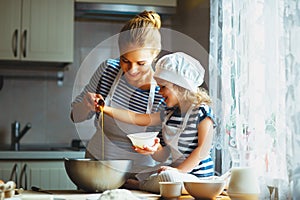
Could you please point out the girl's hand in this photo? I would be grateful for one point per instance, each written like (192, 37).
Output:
(165, 168)
(146, 150)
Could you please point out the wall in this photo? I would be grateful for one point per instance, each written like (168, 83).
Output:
(193, 19)
(47, 106)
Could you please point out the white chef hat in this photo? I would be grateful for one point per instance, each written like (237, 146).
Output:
(180, 69)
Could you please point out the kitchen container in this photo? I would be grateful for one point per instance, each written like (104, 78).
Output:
(205, 188)
(97, 175)
(170, 189)
(243, 183)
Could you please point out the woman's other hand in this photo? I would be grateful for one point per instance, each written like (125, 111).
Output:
(165, 168)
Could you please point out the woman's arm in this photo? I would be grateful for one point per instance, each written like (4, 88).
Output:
(205, 136)
(83, 107)
(133, 117)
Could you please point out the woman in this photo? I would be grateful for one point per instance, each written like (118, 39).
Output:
(125, 83)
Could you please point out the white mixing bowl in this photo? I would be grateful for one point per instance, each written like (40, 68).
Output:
(205, 189)
(143, 139)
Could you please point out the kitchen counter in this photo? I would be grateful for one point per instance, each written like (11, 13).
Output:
(72, 195)
(80, 195)
(40, 155)
(40, 152)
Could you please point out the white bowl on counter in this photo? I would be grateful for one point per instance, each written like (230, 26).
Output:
(205, 188)
(170, 189)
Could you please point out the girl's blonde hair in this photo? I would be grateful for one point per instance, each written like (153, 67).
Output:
(142, 31)
(197, 98)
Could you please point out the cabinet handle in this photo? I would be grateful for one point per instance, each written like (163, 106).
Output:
(15, 43)
(23, 173)
(24, 42)
(14, 173)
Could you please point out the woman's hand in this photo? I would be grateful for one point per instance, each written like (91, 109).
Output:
(165, 168)
(91, 101)
(146, 150)
(81, 111)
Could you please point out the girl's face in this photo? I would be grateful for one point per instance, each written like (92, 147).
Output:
(137, 66)
(167, 91)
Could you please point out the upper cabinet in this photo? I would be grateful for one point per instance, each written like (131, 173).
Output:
(37, 30)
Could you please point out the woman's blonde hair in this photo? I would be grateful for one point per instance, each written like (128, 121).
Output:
(197, 98)
(142, 31)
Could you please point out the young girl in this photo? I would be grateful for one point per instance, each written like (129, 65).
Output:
(187, 123)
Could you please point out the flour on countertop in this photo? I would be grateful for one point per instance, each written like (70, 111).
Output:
(118, 194)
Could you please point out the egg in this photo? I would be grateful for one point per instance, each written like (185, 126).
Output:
(2, 185)
(7, 188)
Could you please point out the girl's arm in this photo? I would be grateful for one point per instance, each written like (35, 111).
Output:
(133, 117)
(161, 154)
(205, 137)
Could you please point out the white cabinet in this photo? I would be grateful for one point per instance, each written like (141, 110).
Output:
(48, 175)
(37, 30)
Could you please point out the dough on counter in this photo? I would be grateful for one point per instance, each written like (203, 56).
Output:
(35, 197)
(117, 194)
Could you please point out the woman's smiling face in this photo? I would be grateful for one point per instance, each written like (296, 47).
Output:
(137, 66)
(167, 91)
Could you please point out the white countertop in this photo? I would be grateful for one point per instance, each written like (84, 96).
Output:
(79, 195)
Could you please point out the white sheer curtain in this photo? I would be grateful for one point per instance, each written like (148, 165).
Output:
(254, 82)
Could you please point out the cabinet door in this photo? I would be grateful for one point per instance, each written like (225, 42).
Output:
(47, 30)
(10, 24)
(48, 175)
(14, 171)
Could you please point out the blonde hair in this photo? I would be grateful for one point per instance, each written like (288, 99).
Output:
(197, 98)
(142, 31)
